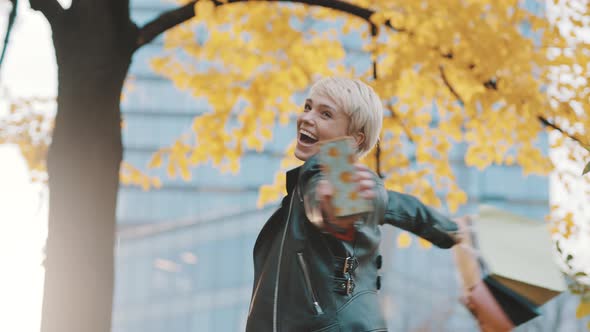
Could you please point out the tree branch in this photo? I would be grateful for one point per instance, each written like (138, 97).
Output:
(120, 10)
(51, 9)
(401, 123)
(449, 86)
(550, 124)
(179, 15)
(493, 86)
(165, 21)
(11, 18)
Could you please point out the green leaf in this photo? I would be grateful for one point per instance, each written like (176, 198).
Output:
(568, 260)
(586, 169)
(581, 274)
(558, 247)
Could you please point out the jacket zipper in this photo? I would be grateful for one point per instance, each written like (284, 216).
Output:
(316, 304)
(259, 281)
(276, 292)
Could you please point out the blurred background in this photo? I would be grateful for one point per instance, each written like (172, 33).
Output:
(183, 253)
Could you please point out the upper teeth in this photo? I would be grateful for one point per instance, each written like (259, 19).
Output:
(307, 133)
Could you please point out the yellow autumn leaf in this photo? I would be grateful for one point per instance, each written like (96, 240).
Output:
(234, 166)
(509, 160)
(378, 18)
(266, 195)
(455, 198)
(267, 117)
(583, 309)
(283, 118)
(156, 160)
(204, 9)
(131, 175)
(404, 240)
(424, 243)
(266, 133)
(184, 171)
(159, 64)
(145, 184)
(171, 170)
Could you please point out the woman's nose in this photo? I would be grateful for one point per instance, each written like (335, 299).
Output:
(307, 116)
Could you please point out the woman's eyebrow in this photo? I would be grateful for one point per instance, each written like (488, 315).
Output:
(310, 101)
(326, 106)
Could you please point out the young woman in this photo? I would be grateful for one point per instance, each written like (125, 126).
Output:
(317, 272)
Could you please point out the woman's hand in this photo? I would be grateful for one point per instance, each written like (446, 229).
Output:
(325, 191)
(462, 235)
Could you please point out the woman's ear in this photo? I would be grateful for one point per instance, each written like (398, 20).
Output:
(359, 138)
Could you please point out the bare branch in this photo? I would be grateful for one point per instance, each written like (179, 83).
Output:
(51, 9)
(493, 86)
(11, 18)
(378, 159)
(164, 22)
(550, 124)
(449, 86)
(179, 15)
(401, 122)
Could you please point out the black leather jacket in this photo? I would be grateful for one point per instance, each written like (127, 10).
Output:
(307, 280)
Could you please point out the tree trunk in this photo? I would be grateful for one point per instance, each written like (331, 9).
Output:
(93, 54)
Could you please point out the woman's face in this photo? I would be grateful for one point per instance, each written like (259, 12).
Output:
(320, 120)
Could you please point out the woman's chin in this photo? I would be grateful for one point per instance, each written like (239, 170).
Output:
(303, 153)
(301, 156)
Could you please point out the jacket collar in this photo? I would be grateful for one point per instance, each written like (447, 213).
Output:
(292, 177)
(303, 173)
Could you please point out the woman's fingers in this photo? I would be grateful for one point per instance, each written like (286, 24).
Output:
(366, 184)
(324, 192)
(324, 189)
(361, 168)
(365, 189)
(367, 194)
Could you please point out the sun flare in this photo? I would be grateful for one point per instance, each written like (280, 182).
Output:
(23, 215)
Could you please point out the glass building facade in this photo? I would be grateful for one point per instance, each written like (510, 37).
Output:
(184, 251)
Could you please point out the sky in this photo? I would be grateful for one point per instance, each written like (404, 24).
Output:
(30, 70)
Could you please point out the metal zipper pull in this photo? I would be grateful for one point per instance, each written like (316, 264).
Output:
(316, 304)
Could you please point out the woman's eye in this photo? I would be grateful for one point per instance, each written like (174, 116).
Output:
(327, 114)
(307, 107)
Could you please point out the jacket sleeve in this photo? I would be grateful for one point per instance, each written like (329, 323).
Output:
(408, 213)
(309, 177)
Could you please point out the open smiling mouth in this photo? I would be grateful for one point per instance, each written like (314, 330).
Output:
(307, 138)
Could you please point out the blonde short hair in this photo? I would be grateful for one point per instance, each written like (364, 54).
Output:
(360, 102)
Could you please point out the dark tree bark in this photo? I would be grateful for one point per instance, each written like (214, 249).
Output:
(93, 50)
